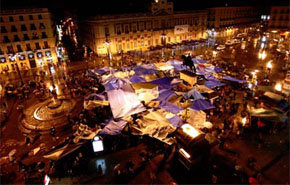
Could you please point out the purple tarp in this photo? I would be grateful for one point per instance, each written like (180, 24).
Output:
(165, 94)
(194, 93)
(113, 127)
(115, 83)
(211, 78)
(234, 79)
(175, 121)
(170, 107)
(178, 65)
(102, 70)
(201, 105)
(136, 79)
(212, 84)
(95, 96)
(145, 69)
(164, 83)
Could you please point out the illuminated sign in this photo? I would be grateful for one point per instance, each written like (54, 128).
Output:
(48, 53)
(97, 144)
(21, 57)
(3, 60)
(31, 55)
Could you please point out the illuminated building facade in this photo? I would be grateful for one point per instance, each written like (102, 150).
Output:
(27, 39)
(225, 21)
(279, 17)
(126, 32)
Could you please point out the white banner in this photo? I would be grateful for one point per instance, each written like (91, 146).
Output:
(179, 29)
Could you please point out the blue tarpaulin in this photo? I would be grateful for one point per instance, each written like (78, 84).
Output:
(115, 83)
(218, 69)
(165, 94)
(212, 84)
(175, 121)
(194, 93)
(165, 83)
(178, 65)
(102, 70)
(234, 79)
(170, 107)
(210, 77)
(145, 69)
(113, 127)
(202, 105)
(136, 79)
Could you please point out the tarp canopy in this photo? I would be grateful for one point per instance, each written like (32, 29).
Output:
(178, 65)
(123, 74)
(94, 100)
(165, 94)
(201, 105)
(95, 96)
(124, 102)
(180, 101)
(218, 69)
(202, 89)
(103, 70)
(115, 83)
(273, 96)
(165, 83)
(114, 127)
(154, 124)
(146, 91)
(176, 121)
(145, 69)
(195, 118)
(163, 66)
(211, 77)
(136, 79)
(229, 78)
(193, 94)
(170, 107)
(212, 84)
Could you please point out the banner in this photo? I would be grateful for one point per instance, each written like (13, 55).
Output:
(179, 29)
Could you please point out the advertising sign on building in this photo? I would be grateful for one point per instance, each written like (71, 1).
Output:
(179, 29)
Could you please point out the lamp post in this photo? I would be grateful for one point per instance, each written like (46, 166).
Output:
(107, 43)
(17, 68)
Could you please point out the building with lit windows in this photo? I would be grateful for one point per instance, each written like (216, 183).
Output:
(125, 32)
(26, 40)
(225, 21)
(279, 17)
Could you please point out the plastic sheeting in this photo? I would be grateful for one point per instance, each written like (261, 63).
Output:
(165, 83)
(202, 89)
(136, 79)
(194, 93)
(114, 127)
(124, 102)
(178, 65)
(212, 84)
(229, 78)
(145, 69)
(163, 66)
(165, 94)
(146, 91)
(202, 105)
(103, 70)
(94, 100)
(170, 107)
(115, 83)
(176, 121)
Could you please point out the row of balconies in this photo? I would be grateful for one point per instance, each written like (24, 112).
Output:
(22, 28)
(9, 52)
(25, 38)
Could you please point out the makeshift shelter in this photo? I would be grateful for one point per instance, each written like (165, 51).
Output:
(229, 78)
(166, 83)
(124, 74)
(170, 107)
(94, 100)
(163, 66)
(114, 127)
(201, 105)
(145, 69)
(176, 121)
(202, 89)
(115, 83)
(124, 101)
(178, 65)
(195, 118)
(146, 91)
(165, 94)
(189, 77)
(154, 124)
(194, 94)
(212, 84)
(136, 79)
(103, 70)
(180, 101)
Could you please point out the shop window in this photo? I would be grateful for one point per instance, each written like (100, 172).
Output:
(43, 35)
(21, 18)
(28, 47)
(30, 17)
(39, 16)
(1, 19)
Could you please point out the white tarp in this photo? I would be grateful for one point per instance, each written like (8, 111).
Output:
(202, 89)
(154, 124)
(194, 118)
(163, 66)
(146, 91)
(124, 101)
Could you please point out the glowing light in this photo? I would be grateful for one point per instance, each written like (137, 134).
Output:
(269, 65)
(263, 39)
(184, 153)
(262, 55)
(244, 121)
(250, 85)
(274, 31)
(278, 87)
(190, 130)
(214, 53)
(262, 45)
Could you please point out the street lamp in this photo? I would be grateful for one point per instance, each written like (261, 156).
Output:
(107, 43)
(269, 66)
(14, 58)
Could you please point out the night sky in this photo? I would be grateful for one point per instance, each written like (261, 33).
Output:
(95, 7)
